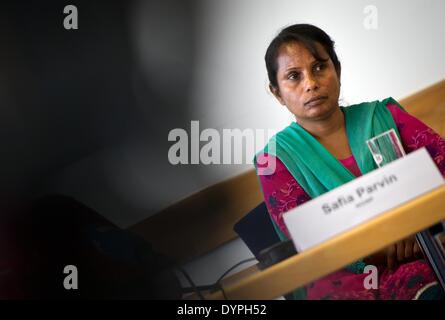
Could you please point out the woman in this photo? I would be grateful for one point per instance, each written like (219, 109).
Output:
(325, 148)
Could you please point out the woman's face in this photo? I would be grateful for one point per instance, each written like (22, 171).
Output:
(301, 78)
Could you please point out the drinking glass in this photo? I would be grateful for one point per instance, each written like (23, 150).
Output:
(385, 148)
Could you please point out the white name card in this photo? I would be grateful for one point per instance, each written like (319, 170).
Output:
(362, 199)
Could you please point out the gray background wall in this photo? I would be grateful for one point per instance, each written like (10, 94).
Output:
(204, 61)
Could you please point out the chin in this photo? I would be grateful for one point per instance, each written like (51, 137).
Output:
(319, 112)
(324, 110)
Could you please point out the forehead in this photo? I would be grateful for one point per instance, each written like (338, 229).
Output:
(295, 54)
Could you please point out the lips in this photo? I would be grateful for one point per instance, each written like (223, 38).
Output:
(315, 100)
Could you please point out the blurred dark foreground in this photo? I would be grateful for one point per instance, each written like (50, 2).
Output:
(39, 239)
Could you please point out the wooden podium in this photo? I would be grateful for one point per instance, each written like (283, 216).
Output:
(410, 218)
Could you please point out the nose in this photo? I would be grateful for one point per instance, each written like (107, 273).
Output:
(311, 83)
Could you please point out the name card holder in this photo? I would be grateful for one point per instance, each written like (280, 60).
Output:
(362, 199)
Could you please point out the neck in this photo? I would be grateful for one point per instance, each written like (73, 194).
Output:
(326, 127)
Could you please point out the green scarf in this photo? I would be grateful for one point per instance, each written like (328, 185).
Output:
(315, 168)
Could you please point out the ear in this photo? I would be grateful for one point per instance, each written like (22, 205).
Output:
(276, 92)
(339, 75)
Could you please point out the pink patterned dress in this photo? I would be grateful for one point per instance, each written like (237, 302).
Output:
(282, 193)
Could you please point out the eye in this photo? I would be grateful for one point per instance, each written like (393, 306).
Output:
(320, 66)
(293, 76)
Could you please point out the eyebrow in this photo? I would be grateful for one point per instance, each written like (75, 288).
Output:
(299, 68)
(292, 68)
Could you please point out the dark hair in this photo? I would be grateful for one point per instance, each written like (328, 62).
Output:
(306, 34)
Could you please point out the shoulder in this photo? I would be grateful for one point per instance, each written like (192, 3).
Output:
(366, 109)
(383, 102)
(394, 107)
(270, 149)
(268, 164)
